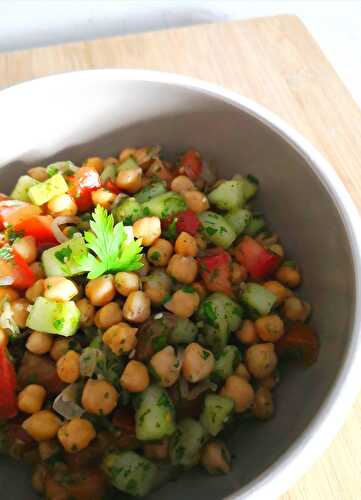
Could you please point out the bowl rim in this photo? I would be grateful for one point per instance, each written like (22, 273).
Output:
(312, 442)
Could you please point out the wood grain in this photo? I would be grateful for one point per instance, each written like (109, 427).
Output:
(276, 62)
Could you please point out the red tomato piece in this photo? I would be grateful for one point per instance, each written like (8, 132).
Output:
(187, 221)
(191, 164)
(39, 227)
(13, 212)
(81, 185)
(8, 404)
(17, 269)
(111, 186)
(258, 261)
(300, 342)
(124, 420)
(215, 270)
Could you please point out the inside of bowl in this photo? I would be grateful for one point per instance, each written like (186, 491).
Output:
(72, 119)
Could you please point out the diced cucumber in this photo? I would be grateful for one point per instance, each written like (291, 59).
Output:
(217, 410)
(155, 414)
(130, 472)
(259, 298)
(187, 442)
(20, 191)
(255, 225)
(61, 318)
(250, 186)
(62, 167)
(238, 219)
(110, 172)
(128, 211)
(44, 191)
(151, 191)
(184, 332)
(217, 229)
(128, 164)
(62, 260)
(228, 195)
(164, 205)
(226, 362)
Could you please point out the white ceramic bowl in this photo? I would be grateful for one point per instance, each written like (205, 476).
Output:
(99, 112)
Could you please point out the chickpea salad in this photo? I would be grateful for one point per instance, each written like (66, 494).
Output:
(145, 311)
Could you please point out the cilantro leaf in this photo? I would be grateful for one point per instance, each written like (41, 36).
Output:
(111, 246)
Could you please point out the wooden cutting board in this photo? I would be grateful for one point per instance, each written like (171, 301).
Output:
(276, 62)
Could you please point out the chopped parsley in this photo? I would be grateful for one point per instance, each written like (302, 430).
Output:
(154, 256)
(5, 253)
(63, 254)
(158, 343)
(188, 289)
(58, 324)
(205, 354)
(209, 312)
(210, 231)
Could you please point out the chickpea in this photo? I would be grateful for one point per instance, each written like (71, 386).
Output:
(38, 173)
(296, 309)
(38, 270)
(240, 391)
(35, 291)
(160, 252)
(39, 342)
(126, 153)
(87, 312)
(182, 183)
(183, 269)
(288, 275)
(200, 289)
(198, 363)
(8, 294)
(186, 245)
(143, 271)
(247, 334)
(238, 273)
(269, 382)
(4, 339)
(108, 315)
(157, 286)
(137, 307)
(76, 434)
(20, 311)
(125, 283)
(99, 397)
(135, 377)
(68, 367)
(157, 451)
(111, 161)
(103, 197)
(42, 426)
(241, 371)
(129, 180)
(216, 458)
(101, 290)
(261, 360)
(60, 347)
(39, 477)
(166, 365)
(196, 201)
(148, 229)
(120, 338)
(270, 328)
(96, 163)
(62, 204)
(183, 303)
(277, 249)
(31, 399)
(278, 290)
(26, 248)
(59, 288)
(263, 404)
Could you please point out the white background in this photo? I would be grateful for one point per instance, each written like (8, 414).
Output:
(335, 25)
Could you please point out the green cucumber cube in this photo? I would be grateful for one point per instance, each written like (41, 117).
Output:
(62, 260)
(217, 410)
(259, 298)
(49, 316)
(21, 189)
(44, 191)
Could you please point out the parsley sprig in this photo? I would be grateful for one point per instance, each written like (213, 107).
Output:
(109, 242)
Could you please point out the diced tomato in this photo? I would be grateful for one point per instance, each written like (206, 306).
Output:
(39, 370)
(14, 267)
(78, 485)
(124, 420)
(13, 212)
(39, 227)
(81, 185)
(187, 221)
(111, 186)
(215, 269)
(258, 261)
(8, 404)
(300, 342)
(191, 164)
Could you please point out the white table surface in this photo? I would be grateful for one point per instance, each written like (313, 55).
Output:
(335, 25)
